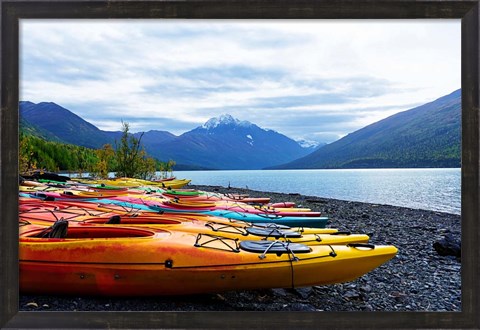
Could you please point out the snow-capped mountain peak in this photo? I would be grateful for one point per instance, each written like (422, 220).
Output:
(224, 119)
(308, 143)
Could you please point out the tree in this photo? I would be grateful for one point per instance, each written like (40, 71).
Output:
(127, 153)
(170, 164)
(105, 157)
(26, 155)
(131, 158)
(147, 167)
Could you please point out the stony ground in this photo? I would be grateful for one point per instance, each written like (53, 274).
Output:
(417, 279)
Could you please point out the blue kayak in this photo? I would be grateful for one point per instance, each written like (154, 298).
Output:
(292, 221)
(139, 206)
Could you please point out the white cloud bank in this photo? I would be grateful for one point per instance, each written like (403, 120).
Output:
(334, 76)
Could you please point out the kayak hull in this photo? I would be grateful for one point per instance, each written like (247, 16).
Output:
(172, 263)
(291, 221)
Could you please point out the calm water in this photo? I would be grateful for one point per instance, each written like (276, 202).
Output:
(429, 189)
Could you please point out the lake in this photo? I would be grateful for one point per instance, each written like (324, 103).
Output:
(428, 189)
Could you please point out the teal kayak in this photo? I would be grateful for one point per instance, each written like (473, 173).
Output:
(291, 221)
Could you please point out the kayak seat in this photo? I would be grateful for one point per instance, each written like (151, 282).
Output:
(273, 247)
(270, 225)
(272, 232)
(57, 230)
(114, 220)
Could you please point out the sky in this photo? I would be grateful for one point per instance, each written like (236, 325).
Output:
(308, 79)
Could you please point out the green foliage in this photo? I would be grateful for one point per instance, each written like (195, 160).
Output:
(106, 161)
(36, 153)
(128, 159)
(131, 159)
(166, 169)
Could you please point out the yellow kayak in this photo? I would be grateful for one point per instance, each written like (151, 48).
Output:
(125, 261)
(132, 182)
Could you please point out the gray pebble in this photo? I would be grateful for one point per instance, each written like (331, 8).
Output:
(418, 279)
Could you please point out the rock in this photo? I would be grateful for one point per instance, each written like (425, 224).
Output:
(220, 297)
(351, 295)
(448, 246)
(302, 307)
(399, 296)
(415, 280)
(280, 292)
(366, 288)
(304, 292)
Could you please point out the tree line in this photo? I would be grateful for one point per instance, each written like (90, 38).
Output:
(127, 157)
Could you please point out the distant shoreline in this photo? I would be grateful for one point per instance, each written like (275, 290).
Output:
(417, 279)
(183, 169)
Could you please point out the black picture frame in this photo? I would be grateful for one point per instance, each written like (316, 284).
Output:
(13, 11)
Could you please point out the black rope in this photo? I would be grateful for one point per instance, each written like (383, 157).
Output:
(23, 222)
(292, 269)
(215, 238)
(333, 253)
(222, 227)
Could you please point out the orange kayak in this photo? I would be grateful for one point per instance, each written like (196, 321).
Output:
(126, 261)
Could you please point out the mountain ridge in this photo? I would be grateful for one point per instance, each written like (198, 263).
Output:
(63, 124)
(225, 142)
(425, 136)
(220, 143)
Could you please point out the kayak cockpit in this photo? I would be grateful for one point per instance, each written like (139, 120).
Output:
(116, 219)
(60, 230)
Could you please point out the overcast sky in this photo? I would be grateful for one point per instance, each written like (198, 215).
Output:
(315, 79)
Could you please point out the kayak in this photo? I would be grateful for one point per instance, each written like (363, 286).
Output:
(237, 206)
(197, 195)
(47, 213)
(288, 220)
(230, 230)
(292, 221)
(161, 204)
(282, 204)
(131, 182)
(66, 195)
(214, 226)
(126, 261)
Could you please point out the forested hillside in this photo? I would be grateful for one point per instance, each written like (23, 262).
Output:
(426, 136)
(37, 153)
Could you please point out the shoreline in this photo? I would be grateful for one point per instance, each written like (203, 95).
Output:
(417, 279)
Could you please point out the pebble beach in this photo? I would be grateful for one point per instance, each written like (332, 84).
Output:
(417, 279)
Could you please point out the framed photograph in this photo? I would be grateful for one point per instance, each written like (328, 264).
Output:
(269, 76)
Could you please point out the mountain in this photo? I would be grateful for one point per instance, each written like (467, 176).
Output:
(31, 129)
(154, 136)
(227, 143)
(220, 143)
(28, 129)
(426, 136)
(310, 145)
(63, 124)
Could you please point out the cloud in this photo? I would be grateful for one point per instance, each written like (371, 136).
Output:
(304, 78)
